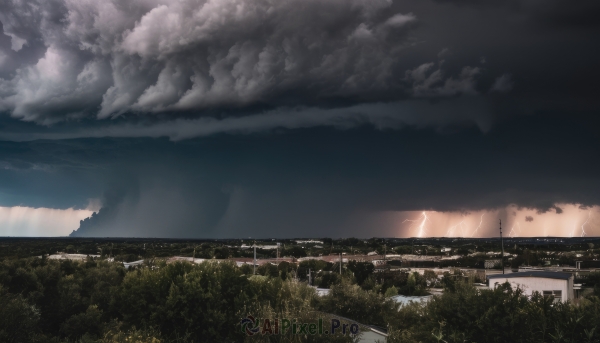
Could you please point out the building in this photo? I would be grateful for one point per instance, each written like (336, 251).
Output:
(323, 291)
(555, 284)
(407, 299)
(487, 264)
(128, 265)
(73, 257)
(378, 262)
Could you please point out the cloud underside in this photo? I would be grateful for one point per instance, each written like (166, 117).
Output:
(67, 60)
(106, 59)
(64, 60)
(382, 116)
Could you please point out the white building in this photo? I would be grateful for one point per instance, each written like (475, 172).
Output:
(407, 299)
(487, 264)
(378, 262)
(311, 241)
(323, 291)
(74, 257)
(555, 284)
(128, 265)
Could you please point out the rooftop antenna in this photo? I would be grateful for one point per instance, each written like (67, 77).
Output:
(502, 242)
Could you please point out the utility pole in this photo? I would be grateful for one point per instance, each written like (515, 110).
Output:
(309, 277)
(384, 251)
(278, 244)
(340, 264)
(254, 258)
(502, 243)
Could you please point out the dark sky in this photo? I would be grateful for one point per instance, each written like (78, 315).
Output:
(237, 118)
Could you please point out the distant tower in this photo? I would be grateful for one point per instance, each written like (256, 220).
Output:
(502, 243)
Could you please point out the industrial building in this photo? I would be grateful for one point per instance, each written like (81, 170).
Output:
(555, 284)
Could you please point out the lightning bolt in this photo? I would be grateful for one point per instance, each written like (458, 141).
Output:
(573, 231)
(450, 232)
(423, 219)
(583, 233)
(513, 232)
(479, 226)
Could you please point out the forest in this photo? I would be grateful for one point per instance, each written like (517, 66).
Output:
(44, 300)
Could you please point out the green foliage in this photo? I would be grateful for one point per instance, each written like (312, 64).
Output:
(222, 252)
(352, 301)
(500, 315)
(18, 319)
(390, 292)
(133, 335)
(326, 280)
(88, 322)
(405, 283)
(314, 265)
(431, 278)
(268, 269)
(361, 270)
(43, 300)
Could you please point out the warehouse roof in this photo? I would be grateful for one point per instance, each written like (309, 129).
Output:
(547, 275)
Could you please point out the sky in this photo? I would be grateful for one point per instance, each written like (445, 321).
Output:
(299, 118)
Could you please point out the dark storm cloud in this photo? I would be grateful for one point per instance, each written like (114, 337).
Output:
(314, 181)
(447, 113)
(151, 57)
(529, 219)
(65, 60)
(558, 13)
(295, 114)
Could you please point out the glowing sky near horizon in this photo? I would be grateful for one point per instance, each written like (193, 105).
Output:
(40, 222)
(573, 221)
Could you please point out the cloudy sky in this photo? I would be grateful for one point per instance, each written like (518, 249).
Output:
(287, 118)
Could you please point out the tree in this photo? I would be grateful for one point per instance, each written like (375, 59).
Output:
(18, 319)
(361, 270)
(351, 301)
(80, 324)
(390, 292)
(222, 253)
(294, 251)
